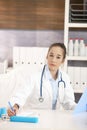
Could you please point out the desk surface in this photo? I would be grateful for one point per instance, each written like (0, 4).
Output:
(50, 119)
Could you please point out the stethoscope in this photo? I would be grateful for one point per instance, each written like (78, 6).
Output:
(41, 99)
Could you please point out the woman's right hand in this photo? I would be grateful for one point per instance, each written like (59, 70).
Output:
(11, 112)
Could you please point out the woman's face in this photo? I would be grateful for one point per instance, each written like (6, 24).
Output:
(55, 58)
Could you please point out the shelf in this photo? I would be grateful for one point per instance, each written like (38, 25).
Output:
(79, 90)
(75, 66)
(78, 13)
(77, 58)
(77, 25)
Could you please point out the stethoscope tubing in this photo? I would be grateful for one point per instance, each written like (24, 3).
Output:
(41, 82)
(61, 81)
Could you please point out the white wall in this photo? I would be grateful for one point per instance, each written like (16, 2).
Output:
(10, 38)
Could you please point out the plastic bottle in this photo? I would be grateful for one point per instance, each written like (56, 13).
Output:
(70, 47)
(76, 47)
(86, 49)
(82, 47)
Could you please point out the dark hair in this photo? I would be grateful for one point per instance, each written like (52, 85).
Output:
(59, 45)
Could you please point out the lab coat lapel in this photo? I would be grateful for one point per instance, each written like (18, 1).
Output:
(48, 88)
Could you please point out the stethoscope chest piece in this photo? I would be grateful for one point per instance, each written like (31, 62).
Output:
(41, 99)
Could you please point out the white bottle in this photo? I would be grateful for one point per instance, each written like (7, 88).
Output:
(82, 47)
(76, 47)
(70, 47)
(85, 49)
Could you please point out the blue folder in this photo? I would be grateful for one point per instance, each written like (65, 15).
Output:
(82, 104)
(24, 119)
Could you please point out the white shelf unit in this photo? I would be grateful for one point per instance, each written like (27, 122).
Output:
(67, 26)
(77, 58)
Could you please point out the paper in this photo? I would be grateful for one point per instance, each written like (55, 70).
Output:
(30, 114)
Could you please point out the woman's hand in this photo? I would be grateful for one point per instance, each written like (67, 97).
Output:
(11, 112)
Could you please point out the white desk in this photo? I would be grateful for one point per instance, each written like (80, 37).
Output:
(49, 119)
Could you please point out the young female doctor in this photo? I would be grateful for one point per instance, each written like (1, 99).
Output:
(48, 89)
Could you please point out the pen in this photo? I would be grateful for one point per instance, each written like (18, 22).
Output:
(10, 106)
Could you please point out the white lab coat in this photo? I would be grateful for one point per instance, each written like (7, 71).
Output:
(28, 93)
